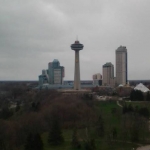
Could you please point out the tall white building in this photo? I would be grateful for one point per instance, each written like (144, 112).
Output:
(121, 65)
(108, 74)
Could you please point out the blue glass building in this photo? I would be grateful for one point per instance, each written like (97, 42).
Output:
(54, 74)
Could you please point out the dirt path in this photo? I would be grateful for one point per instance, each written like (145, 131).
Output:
(119, 104)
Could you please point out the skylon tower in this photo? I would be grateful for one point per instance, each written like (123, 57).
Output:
(77, 47)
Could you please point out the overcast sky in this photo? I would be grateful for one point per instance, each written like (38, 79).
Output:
(34, 32)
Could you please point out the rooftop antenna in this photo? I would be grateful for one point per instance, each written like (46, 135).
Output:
(77, 38)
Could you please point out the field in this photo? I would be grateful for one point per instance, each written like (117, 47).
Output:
(100, 144)
(139, 104)
(111, 113)
(99, 124)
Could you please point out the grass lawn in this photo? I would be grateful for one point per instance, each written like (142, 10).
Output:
(111, 113)
(100, 144)
(116, 146)
(139, 104)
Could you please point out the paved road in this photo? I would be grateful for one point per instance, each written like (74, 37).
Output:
(144, 148)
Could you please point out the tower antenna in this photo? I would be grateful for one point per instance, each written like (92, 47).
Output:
(77, 37)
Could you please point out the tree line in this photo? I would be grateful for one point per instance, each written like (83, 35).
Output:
(51, 112)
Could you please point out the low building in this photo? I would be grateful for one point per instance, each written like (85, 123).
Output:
(97, 79)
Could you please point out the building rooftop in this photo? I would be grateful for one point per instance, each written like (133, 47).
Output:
(55, 60)
(121, 49)
(141, 87)
(108, 64)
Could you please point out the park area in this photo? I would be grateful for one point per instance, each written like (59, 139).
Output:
(56, 121)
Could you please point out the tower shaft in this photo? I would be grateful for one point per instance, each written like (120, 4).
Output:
(77, 71)
(77, 47)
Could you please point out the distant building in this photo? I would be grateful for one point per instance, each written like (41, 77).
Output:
(142, 88)
(54, 74)
(113, 82)
(108, 74)
(121, 65)
(83, 82)
(97, 76)
(50, 72)
(43, 78)
(135, 82)
(97, 79)
(45, 73)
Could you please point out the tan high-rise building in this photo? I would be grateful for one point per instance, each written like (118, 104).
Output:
(108, 74)
(121, 65)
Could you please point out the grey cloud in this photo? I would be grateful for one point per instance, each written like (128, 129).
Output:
(32, 33)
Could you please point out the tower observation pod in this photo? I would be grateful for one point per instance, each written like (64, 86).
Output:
(77, 47)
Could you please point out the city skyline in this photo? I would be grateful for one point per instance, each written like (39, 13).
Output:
(30, 39)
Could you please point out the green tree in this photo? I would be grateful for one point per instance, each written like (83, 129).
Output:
(132, 95)
(55, 134)
(136, 95)
(114, 133)
(100, 127)
(89, 144)
(130, 108)
(134, 133)
(144, 112)
(33, 142)
(35, 106)
(75, 142)
(139, 95)
(3, 141)
(89, 139)
(148, 96)
(17, 107)
(6, 113)
(124, 109)
(38, 143)
(29, 142)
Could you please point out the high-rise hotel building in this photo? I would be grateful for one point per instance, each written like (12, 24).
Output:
(108, 74)
(54, 74)
(121, 66)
